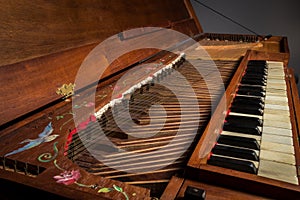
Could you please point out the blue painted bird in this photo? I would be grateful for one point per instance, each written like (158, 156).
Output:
(44, 136)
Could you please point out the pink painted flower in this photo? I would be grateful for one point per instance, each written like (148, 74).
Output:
(68, 177)
(90, 104)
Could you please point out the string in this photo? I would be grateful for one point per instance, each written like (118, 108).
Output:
(150, 98)
(228, 18)
(109, 118)
(141, 98)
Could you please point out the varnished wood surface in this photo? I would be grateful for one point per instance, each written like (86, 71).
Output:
(43, 43)
(177, 187)
(232, 178)
(11, 137)
(294, 102)
(36, 28)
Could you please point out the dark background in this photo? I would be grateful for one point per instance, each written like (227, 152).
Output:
(276, 17)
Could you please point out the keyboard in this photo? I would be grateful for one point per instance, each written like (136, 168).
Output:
(257, 134)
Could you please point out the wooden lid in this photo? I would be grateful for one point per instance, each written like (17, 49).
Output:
(43, 44)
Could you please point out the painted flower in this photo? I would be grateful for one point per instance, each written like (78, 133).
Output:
(90, 104)
(68, 177)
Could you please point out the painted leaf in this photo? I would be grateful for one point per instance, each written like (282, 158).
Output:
(59, 117)
(119, 189)
(104, 190)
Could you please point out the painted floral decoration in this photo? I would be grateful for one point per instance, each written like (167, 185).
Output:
(68, 177)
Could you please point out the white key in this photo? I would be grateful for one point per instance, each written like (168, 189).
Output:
(274, 64)
(278, 124)
(276, 112)
(257, 137)
(273, 70)
(276, 86)
(250, 96)
(278, 171)
(277, 131)
(277, 92)
(276, 76)
(272, 146)
(280, 103)
(245, 115)
(277, 139)
(275, 81)
(277, 107)
(277, 157)
(276, 98)
(279, 117)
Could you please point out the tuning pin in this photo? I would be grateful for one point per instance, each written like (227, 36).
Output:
(15, 166)
(147, 87)
(131, 98)
(37, 170)
(3, 163)
(25, 169)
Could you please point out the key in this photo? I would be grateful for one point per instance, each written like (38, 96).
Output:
(247, 102)
(240, 165)
(251, 93)
(257, 62)
(250, 143)
(252, 88)
(253, 82)
(241, 128)
(247, 109)
(235, 152)
(249, 99)
(255, 76)
(247, 121)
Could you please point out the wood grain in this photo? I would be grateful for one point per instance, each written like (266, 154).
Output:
(31, 29)
(43, 43)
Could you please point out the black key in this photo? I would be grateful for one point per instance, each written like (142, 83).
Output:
(253, 82)
(255, 108)
(252, 88)
(251, 121)
(256, 70)
(257, 62)
(240, 165)
(251, 93)
(238, 141)
(252, 110)
(243, 103)
(248, 101)
(259, 73)
(260, 76)
(256, 74)
(259, 65)
(241, 128)
(235, 152)
(250, 98)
